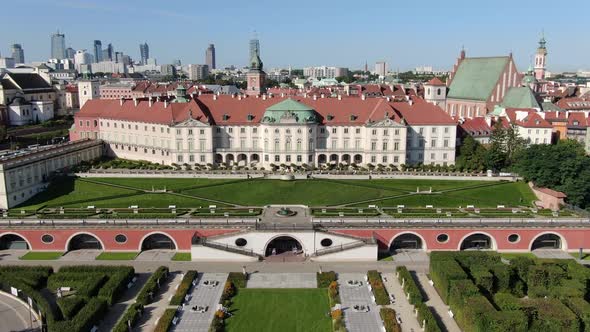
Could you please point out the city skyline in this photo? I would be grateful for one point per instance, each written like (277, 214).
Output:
(380, 32)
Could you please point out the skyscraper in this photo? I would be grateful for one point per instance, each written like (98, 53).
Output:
(110, 52)
(210, 56)
(58, 46)
(97, 51)
(17, 53)
(70, 53)
(144, 51)
(254, 48)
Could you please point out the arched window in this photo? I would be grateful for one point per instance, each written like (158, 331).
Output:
(438, 91)
(298, 145)
(277, 144)
(288, 144)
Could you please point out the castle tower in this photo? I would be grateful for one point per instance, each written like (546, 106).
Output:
(255, 76)
(540, 60)
(435, 92)
(87, 90)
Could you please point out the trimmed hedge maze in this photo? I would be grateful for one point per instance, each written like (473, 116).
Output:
(487, 294)
(92, 290)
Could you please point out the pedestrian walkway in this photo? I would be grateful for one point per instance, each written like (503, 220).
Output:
(350, 296)
(128, 298)
(282, 280)
(435, 302)
(204, 296)
(401, 306)
(153, 311)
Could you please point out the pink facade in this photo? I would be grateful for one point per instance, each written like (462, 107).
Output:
(182, 238)
(86, 127)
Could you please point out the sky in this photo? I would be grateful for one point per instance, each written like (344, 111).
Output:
(301, 33)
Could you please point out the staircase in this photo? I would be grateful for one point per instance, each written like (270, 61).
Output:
(226, 247)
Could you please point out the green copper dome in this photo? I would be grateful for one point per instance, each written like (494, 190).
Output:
(289, 111)
(255, 63)
(180, 94)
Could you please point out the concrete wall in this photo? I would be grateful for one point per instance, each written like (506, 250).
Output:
(205, 254)
(364, 253)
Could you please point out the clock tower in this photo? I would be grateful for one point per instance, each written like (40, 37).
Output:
(255, 77)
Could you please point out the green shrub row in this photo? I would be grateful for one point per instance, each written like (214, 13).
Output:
(152, 285)
(415, 298)
(324, 279)
(183, 288)
(70, 305)
(238, 279)
(381, 295)
(389, 320)
(84, 320)
(83, 284)
(165, 321)
(334, 293)
(129, 318)
(118, 279)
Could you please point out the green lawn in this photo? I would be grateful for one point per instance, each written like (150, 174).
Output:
(284, 310)
(41, 255)
(576, 255)
(116, 256)
(182, 256)
(80, 193)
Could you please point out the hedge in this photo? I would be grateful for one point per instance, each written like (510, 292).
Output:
(83, 284)
(389, 320)
(165, 321)
(70, 305)
(582, 309)
(238, 279)
(112, 290)
(183, 287)
(483, 278)
(334, 293)
(410, 286)
(218, 322)
(443, 272)
(381, 295)
(425, 315)
(229, 291)
(86, 318)
(550, 315)
(34, 276)
(151, 286)
(132, 315)
(324, 279)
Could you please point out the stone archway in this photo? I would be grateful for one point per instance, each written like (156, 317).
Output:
(158, 241)
(283, 245)
(84, 241)
(346, 159)
(13, 241)
(242, 160)
(229, 159)
(477, 241)
(547, 241)
(254, 158)
(218, 158)
(334, 159)
(406, 241)
(322, 159)
(358, 159)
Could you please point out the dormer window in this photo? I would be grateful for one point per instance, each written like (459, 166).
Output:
(576, 123)
(330, 117)
(250, 117)
(353, 117)
(225, 117)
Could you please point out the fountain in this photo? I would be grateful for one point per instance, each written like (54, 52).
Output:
(285, 212)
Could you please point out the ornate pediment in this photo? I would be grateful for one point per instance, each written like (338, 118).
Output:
(386, 122)
(191, 122)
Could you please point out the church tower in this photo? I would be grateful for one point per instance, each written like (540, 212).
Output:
(540, 58)
(255, 76)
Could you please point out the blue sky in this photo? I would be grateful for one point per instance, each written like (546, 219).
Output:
(300, 33)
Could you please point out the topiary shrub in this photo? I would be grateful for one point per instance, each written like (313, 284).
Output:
(324, 279)
(70, 305)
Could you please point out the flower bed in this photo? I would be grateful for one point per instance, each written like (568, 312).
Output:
(165, 321)
(324, 279)
(184, 287)
(389, 320)
(381, 295)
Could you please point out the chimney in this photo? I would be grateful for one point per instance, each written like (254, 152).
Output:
(214, 97)
(339, 97)
(264, 97)
(323, 96)
(166, 103)
(233, 96)
(121, 101)
(135, 101)
(388, 99)
(305, 95)
(410, 102)
(150, 101)
(315, 97)
(363, 96)
(239, 97)
(282, 94)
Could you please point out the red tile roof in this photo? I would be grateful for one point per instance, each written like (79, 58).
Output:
(531, 120)
(435, 81)
(422, 113)
(551, 192)
(574, 104)
(476, 127)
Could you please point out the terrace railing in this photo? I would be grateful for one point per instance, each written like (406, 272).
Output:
(342, 247)
(226, 247)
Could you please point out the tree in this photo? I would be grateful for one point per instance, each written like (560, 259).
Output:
(471, 155)
(505, 144)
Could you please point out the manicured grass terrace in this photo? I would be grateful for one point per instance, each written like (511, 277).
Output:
(116, 256)
(285, 310)
(182, 256)
(41, 255)
(194, 193)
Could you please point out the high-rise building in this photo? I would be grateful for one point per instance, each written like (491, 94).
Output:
(177, 63)
(17, 53)
(197, 72)
(381, 68)
(97, 51)
(70, 53)
(144, 51)
(110, 51)
(58, 46)
(324, 72)
(254, 48)
(210, 56)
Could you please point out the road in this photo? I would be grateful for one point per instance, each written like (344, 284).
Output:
(15, 315)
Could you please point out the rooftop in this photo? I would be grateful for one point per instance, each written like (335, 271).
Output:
(476, 78)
